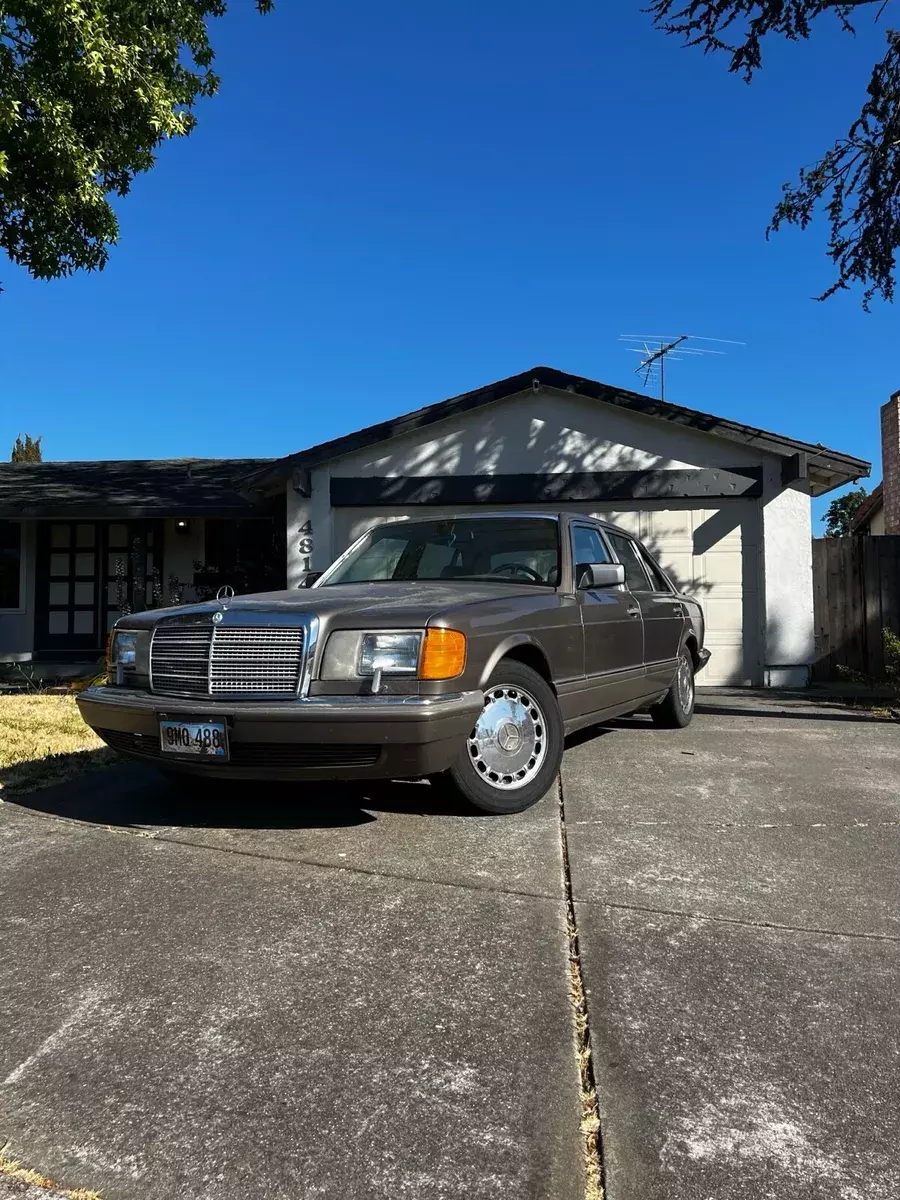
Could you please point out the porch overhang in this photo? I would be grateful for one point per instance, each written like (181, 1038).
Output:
(141, 489)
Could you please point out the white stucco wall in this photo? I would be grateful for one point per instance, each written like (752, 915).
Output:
(310, 528)
(787, 585)
(876, 525)
(547, 431)
(17, 628)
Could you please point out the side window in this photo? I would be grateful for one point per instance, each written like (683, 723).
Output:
(657, 579)
(629, 556)
(587, 545)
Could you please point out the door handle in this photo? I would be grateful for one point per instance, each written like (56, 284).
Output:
(634, 612)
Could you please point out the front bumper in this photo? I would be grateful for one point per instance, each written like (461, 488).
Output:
(320, 737)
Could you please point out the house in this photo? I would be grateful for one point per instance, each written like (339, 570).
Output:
(869, 517)
(880, 512)
(724, 506)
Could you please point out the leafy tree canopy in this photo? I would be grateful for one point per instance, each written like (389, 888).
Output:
(27, 449)
(841, 512)
(857, 180)
(88, 91)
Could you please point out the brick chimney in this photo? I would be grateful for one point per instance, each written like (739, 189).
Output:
(890, 463)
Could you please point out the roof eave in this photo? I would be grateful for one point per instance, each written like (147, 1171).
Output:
(828, 469)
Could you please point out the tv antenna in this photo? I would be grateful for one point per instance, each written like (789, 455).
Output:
(655, 349)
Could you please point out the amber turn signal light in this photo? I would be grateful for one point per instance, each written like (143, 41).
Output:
(443, 655)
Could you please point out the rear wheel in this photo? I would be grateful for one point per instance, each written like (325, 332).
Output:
(676, 708)
(511, 757)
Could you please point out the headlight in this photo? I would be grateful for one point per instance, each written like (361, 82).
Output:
(392, 653)
(123, 650)
(430, 654)
(356, 654)
(128, 659)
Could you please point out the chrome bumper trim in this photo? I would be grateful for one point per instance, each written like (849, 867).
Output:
(139, 697)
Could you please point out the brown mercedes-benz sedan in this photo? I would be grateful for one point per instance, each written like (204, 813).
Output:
(459, 648)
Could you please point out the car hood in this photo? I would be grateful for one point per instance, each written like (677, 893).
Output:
(409, 603)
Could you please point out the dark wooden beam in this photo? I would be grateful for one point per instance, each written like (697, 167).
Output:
(794, 468)
(301, 482)
(707, 483)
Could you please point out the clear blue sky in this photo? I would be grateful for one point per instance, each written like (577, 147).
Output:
(390, 204)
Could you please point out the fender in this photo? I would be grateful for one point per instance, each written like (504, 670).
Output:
(512, 642)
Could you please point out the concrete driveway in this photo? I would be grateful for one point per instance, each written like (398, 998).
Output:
(339, 993)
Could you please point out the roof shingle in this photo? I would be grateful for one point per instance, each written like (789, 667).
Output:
(127, 488)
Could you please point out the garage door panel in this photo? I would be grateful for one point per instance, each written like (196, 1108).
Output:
(725, 569)
(726, 664)
(723, 613)
(671, 523)
(678, 566)
(631, 521)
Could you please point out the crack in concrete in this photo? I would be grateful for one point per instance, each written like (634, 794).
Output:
(743, 824)
(694, 916)
(591, 1132)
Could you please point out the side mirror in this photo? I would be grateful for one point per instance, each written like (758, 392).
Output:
(599, 575)
(310, 578)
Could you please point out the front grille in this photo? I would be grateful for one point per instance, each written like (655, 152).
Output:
(255, 660)
(253, 754)
(179, 659)
(226, 660)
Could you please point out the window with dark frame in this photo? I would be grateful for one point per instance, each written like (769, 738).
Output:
(657, 579)
(630, 558)
(587, 545)
(10, 564)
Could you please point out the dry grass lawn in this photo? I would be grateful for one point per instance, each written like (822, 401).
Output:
(43, 740)
(31, 1180)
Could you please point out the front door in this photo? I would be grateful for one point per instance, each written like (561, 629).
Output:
(613, 629)
(87, 574)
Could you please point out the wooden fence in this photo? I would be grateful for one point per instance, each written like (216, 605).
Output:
(856, 594)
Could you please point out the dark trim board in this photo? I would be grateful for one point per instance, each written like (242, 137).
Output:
(794, 468)
(702, 484)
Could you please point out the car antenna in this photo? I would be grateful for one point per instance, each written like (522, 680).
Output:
(654, 349)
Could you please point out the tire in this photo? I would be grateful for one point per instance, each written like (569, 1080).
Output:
(676, 708)
(521, 709)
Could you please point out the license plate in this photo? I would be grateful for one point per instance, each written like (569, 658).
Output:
(205, 739)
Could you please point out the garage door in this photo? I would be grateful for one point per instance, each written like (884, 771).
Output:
(709, 553)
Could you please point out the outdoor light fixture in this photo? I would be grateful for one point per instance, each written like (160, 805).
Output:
(182, 525)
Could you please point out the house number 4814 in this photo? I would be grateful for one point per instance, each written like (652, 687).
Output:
(305, 544)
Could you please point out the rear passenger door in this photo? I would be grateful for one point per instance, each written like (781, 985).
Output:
(661, 608)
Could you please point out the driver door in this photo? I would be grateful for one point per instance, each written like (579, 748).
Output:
(613, 628)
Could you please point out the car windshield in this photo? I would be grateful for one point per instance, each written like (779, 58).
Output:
(503, 549)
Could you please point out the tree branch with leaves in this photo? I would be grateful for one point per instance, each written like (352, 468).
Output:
(88, 92)
(856, 182)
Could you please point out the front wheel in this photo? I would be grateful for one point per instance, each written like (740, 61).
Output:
(511, 757)
(676, 708)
